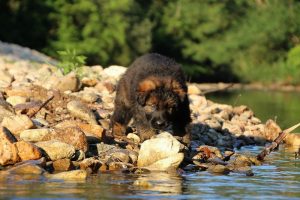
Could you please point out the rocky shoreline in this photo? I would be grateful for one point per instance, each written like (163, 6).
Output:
(57, 126)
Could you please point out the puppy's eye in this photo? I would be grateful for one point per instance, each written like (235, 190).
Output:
(170, 110)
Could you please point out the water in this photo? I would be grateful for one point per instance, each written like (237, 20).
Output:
(277, 178)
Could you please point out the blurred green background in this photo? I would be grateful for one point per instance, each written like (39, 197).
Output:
(228, 40)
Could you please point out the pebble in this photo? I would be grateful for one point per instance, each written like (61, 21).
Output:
(35, 135)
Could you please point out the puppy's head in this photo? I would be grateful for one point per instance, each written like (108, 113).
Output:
(158, 98)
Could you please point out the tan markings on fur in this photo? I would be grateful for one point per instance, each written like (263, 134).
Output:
(119, 129)
(176, 87)
(146, 85)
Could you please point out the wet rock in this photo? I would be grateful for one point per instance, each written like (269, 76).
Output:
(27, 168)
(35, 135)
(78, 109)
(142, 183)
(56, 150)
(79, 155)
(160, 153)
(69, 135)
(68, 82)
(28, 151)
(8, 150)
(17, 124)
(219, 169)
(90, 163)
(63, 165)
(210, 151)
(15, 100)
(74, 175)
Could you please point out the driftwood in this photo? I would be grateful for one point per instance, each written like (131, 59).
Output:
(267, 150)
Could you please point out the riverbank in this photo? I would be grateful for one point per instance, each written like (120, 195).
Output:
(57, 126)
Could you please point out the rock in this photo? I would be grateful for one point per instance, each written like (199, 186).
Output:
(160, 153)
(27, 168)
(34, 135)
(17, 124)
(69, 135)
(78, 109)
(15, 100)
(293, 139)
(68, 82)
(271, 130)
(210, 151)
(120, 156)
(6, 79)
(91, 163)
(89, 97)
(142, 183)
(28, 151)
(232, 128)
(56, 150)
(102, 148)
(193, 89)
(91, 129)
(8, 150)
(6, 110)
(219, 169)
(114, 72)
(74, 175)
(63, 165)
(135, 138)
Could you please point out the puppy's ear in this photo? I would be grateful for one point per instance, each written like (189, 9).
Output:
(178, 89)
(144, 89)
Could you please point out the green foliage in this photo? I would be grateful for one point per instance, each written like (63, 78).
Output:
(70, 61)
(229, 40)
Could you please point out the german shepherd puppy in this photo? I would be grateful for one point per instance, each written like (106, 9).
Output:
(153, 92)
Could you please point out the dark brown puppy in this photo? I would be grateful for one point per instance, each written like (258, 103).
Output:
(153, 92)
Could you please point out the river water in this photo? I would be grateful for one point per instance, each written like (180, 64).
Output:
(277, 178)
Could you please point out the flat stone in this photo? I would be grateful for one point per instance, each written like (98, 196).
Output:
(15, 100)
(8, 150)
(28, 151)
(34, 135)
(56, 150)
(63, 165)
(17, 124)
(74, 175)
(27, 168)
(78, 109)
